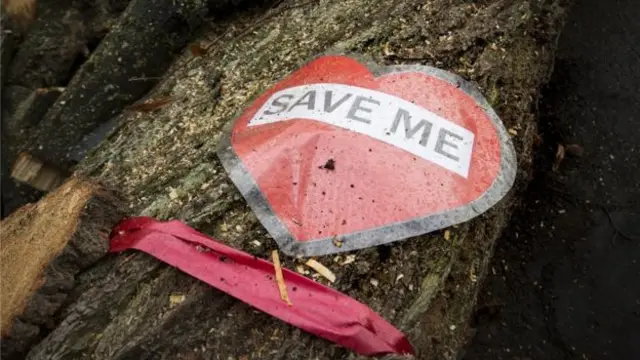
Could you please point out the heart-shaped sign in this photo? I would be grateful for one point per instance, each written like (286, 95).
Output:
(343, 155)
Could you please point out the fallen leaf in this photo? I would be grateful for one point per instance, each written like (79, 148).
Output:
(574, 149)
(284, 295)
(151, 105)
(559, 157)
(321, 269)
(197, 50)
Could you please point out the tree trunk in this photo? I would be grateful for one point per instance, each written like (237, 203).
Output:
(43, 248)
(164, 162)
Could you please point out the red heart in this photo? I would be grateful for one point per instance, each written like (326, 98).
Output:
(374, 184)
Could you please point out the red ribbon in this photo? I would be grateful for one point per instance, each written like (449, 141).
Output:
(317, 309)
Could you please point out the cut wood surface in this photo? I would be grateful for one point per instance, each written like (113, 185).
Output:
(44, 246)
(164, 162)
(36, 173)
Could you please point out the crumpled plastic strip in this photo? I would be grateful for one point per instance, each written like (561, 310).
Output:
(315, 308)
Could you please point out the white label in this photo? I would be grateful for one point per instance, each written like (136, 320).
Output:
(379, 115)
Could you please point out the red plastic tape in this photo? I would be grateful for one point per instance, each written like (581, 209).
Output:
(317, 309)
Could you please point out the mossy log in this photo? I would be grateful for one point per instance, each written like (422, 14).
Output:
(164, 162)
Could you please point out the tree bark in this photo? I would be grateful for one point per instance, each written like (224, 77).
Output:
(165, 164)
(44, 247)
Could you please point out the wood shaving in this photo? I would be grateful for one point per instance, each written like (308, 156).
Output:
(175, 299)
(321, 269)
(559, 158)
(348, 260)
(284, 295)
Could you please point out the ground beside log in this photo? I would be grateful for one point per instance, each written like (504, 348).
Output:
(165, 163)
(44, 246)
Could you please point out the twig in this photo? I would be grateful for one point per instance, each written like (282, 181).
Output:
(280, 278)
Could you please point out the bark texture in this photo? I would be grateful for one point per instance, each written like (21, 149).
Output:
(165, 163)
(44, 246)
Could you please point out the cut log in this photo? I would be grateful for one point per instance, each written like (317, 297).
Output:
(44, 247)
(165, 163)
(34, 172)
(125, 66)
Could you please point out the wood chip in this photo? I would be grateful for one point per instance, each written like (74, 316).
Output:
(175, 299)
(386, 50)
(348, 260)
(284, 295)
(336, 241)
(321, 269)
(301, 270)
(447, 235)
(559, 158)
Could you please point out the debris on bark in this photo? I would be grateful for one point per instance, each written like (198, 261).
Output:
(322, 270)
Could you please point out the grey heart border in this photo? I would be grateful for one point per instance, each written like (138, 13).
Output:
(388, 233)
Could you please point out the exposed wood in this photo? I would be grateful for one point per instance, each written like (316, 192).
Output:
(44, 247)
(21, 12)
(34, 172)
